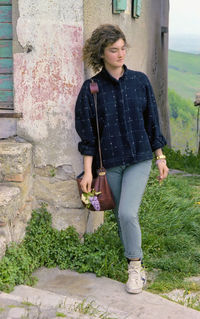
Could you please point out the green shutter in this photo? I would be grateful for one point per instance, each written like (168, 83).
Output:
(6, 57)
(5, 2)
(5, 13)
(6, 82)
(119, 6)
(136, 8)
(5, 49)
(6, 31)
(6, 66)
(6, 96)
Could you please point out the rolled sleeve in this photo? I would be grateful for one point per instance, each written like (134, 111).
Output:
(151, 119)
(84, 121)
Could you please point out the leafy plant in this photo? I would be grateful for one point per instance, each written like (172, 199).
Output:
(90, 309)
(170, 222)
(188, 162)
(52, 172)
(60, 314)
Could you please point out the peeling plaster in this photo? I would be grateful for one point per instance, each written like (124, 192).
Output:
(48, 79)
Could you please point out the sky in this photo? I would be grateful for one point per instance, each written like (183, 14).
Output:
(184, 17)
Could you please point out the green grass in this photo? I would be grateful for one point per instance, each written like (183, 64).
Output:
(188, 301)
(185, 62)
(184, 73)
(171, 231)
(183, 137)
(60, 314)
(90, 309)
(188, 162)
(183, 122)
(185, 84)
(170, 223)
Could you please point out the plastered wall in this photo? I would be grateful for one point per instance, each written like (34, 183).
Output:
(148, 47)
(48, 73)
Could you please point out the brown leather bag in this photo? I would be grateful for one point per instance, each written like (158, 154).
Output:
(100, 183)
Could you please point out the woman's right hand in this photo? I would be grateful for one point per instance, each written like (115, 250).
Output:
(86, 182)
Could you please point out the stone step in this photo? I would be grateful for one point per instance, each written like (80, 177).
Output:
(111, 294)
(15, 160)
(15, 190)
(28, 302)
(17, 307)
(85, 296)
(10, 203)
(13, 216)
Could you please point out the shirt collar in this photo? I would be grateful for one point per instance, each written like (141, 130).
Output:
(106, 74)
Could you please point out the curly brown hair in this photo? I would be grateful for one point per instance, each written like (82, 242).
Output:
(104, 35)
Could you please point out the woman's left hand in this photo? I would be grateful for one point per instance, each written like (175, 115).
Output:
(163, 170)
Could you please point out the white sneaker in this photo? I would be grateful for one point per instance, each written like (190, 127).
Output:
(143, 276)
(136, 277)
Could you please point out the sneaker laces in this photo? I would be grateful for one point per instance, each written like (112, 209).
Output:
(135, 272)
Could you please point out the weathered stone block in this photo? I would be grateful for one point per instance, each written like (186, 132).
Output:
(62, 172)
(14, 178)
(56, 192)
(64, 217)
(17, 229)
(5, 238)
(9, 202)
(25, 212)
(15, 159)
(25, 186)
(95, 219)
(2, 246)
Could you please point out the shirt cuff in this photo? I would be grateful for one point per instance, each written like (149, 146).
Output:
(160, 142)
(86, 149)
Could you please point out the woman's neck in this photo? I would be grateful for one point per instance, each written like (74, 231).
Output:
(115, 72)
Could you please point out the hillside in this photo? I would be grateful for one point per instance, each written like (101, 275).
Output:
(183, 116)
(184, 73)
(183, 82)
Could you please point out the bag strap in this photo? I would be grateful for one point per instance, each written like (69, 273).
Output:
(94, 89)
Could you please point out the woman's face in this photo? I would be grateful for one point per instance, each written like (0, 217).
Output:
(114, 54)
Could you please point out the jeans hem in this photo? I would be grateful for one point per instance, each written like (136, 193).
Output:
(133, 256)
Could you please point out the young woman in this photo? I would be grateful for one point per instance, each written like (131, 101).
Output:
(130, 132)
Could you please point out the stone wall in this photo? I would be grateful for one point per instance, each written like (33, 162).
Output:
(16, 183)
(48, 73)
(58, 187)
(22, 188)
(47, 78)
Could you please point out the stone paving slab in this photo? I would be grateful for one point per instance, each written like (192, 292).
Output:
(31, 303)
(112, 295)
(60, 290)
(181, 173)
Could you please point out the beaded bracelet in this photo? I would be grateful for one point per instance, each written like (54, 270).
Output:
(162, 156)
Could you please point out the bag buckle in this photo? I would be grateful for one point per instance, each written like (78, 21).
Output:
(102, 173)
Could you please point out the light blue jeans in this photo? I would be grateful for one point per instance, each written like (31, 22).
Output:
(128, 183)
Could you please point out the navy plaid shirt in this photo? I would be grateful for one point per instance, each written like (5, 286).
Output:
(128, 119)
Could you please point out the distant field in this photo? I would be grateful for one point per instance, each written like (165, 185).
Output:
(184, 83)
(184, 73)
